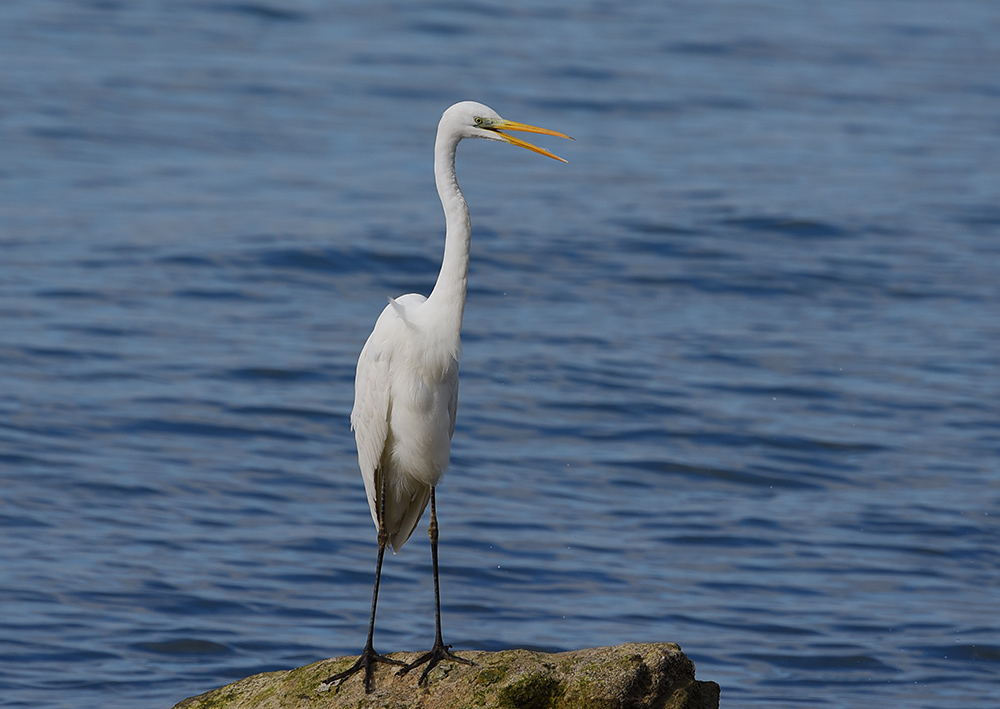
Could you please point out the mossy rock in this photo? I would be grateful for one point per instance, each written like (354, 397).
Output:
(631, 676)
(535, 690)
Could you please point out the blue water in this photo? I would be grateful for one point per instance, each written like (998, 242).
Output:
(731, 376)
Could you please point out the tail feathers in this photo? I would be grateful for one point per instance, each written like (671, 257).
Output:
(403, 514)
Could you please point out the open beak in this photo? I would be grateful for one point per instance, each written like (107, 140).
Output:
(505, 125)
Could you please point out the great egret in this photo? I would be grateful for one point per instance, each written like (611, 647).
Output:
(406, 387)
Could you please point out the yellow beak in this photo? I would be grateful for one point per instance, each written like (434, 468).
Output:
(505, 125)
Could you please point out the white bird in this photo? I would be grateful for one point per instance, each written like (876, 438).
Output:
(406, 388)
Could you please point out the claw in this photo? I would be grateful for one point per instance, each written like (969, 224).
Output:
(432, 658)
(367, 661)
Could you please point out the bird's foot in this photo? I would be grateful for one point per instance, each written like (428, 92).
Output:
(439, 652)
(367, 661)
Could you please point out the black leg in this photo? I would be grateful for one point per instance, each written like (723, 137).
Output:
(440, 651)
(369, 658)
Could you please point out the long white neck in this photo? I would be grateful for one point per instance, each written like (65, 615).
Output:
(448, 297)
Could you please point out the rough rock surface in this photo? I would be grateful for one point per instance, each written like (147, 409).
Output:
(631, 676)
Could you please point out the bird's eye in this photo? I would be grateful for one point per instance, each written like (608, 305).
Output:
(479, 120)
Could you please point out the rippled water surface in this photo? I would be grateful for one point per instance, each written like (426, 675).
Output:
(731, 376)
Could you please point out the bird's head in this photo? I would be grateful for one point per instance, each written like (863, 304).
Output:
(470, 119)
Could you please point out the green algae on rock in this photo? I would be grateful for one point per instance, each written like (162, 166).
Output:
(631, 676)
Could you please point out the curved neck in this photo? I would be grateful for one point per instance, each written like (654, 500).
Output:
(449, 291)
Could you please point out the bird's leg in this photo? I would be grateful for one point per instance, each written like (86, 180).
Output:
(369, 658)
(440, 651)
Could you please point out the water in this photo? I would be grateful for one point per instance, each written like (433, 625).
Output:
(730, 379)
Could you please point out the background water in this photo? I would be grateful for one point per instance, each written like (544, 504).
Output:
(731, 376)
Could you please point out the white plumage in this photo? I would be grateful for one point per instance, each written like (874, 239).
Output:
(406, 397)
(406, 387)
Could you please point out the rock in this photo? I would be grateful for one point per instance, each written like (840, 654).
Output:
(631, 676)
